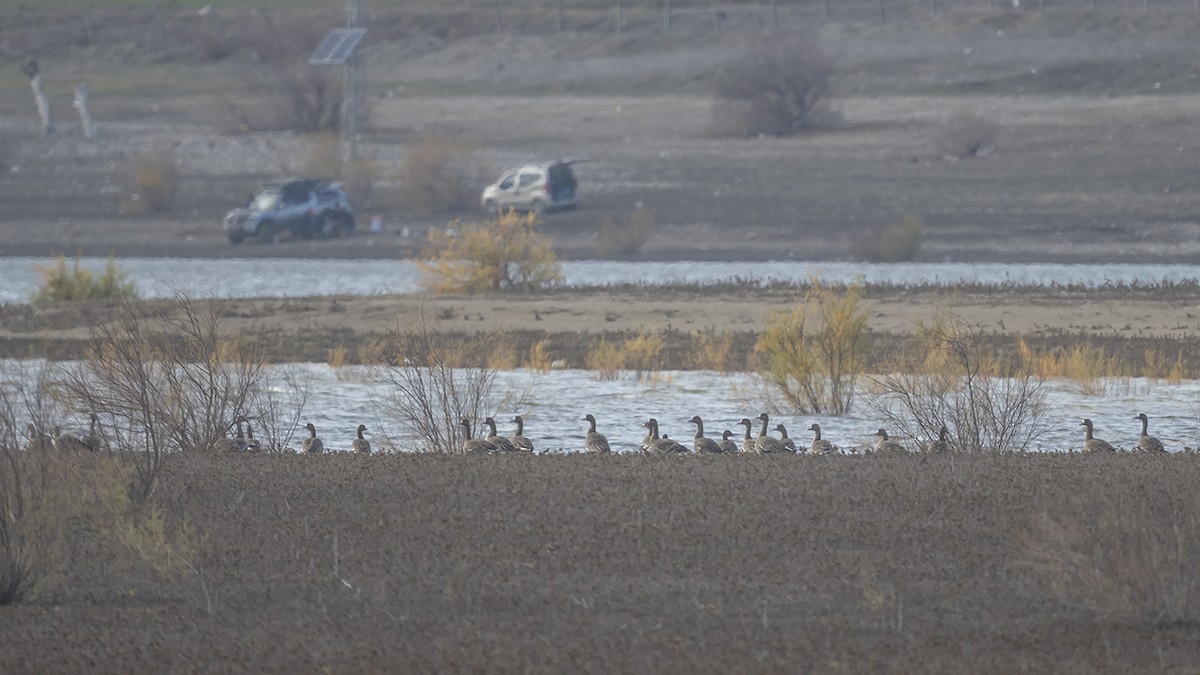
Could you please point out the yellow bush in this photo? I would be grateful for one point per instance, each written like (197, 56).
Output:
(506, 254)
(540, 358)
(897, 242)
(641, 353)
(814, 353)
(61, 283)
(152, 188)
(711, 353)
(606, 358)
(442, 175)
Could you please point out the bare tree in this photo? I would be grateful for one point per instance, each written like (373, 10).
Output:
(165, 381)
(773, 89)
(987, 403)
(435, 381)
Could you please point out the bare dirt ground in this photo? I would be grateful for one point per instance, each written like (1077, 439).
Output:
(1093, 161)
(411, 563)
(1125, 322)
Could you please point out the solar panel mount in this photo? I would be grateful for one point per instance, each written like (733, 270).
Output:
(338, 47)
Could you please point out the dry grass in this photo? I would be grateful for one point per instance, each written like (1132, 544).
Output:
(442, 174)
(640, 353)
(624, 236)
(607, 564)
(897, 242)
(508, 254)
(152, 181)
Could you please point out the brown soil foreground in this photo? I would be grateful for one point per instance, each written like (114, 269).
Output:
(605, 564)
(1125, 322)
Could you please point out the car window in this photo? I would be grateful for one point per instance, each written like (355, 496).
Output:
(507, 182)
(527, 178)
(265, 201)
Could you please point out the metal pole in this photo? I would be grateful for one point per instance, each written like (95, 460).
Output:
(350, 94)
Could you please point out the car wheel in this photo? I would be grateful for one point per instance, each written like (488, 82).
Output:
(538, 207)
(319, 227)
(237, 236)
(492, 209)
(268, 233)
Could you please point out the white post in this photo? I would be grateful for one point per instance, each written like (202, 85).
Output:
(81, 104)
(43, 106)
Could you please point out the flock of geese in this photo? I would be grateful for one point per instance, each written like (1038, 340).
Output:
(653, 443)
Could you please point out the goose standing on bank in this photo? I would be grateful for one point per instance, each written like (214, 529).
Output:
(788, 444)
(1091, 443)
(660, 446)
(594, 441)
(700, 443)
(360, 444)
(765, 444)
(941, 444)
(887, 445)
(501, 443)
(518, 439)
(312, 444)
(474, 445)
(819, 446)
(728, 445)
(238, 442)
(251, 442)
(747, 440)
(1146, 442)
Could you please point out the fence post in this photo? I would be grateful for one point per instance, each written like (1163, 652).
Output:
(825, 7)
(882, 13)
(499, 23)
(85, 116)
(716, 17)
(560, 16)
(620, 16)
(43, 106)
(774, 14)
(89, 24)
(667, 14)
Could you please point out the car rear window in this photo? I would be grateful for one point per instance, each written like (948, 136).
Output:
(527, 178)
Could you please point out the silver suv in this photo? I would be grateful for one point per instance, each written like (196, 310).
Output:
(535, 187)
(296, 208)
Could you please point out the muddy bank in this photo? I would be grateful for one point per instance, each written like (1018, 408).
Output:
(1125, 322)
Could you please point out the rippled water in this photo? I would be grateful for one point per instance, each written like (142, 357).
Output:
(251, 277)
(555, 402)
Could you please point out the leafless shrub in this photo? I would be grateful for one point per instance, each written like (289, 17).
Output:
(152, 183)
(278, 405)
(625, 236)
(774, 89)
(1129, 559)
(436, 381)
(897, 242)
(986, 403)
(42, 488)
(966, 134)
(324, 160)
(166, 382)
(442, 174)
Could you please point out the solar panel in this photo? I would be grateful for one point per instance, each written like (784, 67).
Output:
(337, 47)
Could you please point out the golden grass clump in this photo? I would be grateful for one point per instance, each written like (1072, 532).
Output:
(1084, 364)
(152, 183)
(442, 174)
(710, 352)
(61, 283)
(624, 237)
(540, 359)
(641, 354)
(507, 254)
(897, 242)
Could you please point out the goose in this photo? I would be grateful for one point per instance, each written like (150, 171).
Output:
(501, 443)
(594, 441)
(361, 444)
(518, 439)
(657, 445)
(92, 440)
(747, 440)
(788, 444)
(67, 442)
(238, 442)
(728, 445)
(38, 440)
(252, 444)
(701, 444)
(1146, 442)
(312, 445)
(819, 446)
(1092, 444)
(474, 445)
(941, 444)
(885, 444)
(766, 444)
